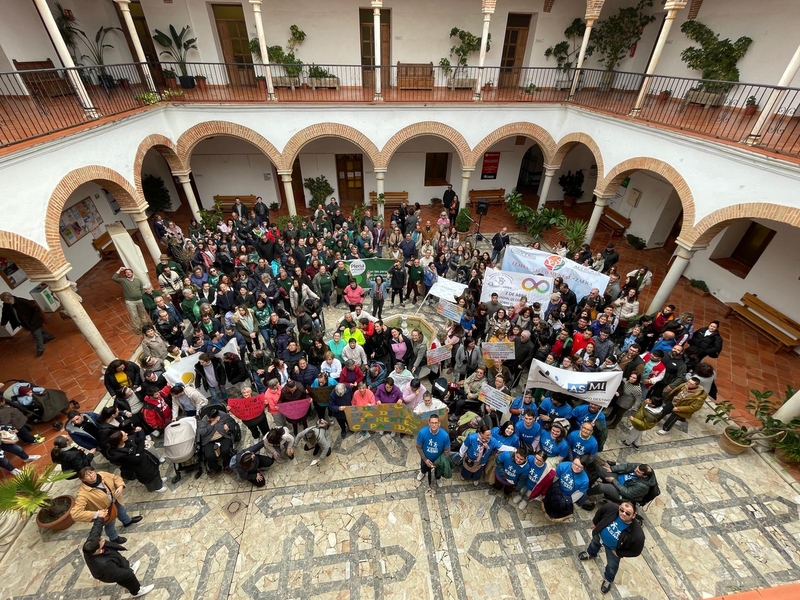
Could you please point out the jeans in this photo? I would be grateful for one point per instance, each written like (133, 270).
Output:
(41, 337)
(13, 449)
(377, 308)
(259, 385)
(607, 489)
(218, 394)
(396, 291)
(468, 476)
(24, 435)
(612, 560)
(326, 298)
(669, 422)
(111, 527)
(495, 256)
(426, 469)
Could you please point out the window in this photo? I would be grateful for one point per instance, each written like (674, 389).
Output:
(742, 246)
(436, 168)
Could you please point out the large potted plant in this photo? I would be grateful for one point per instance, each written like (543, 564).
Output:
(574, 233)
(467, 44)
(615, 36)
(463, 221)
(535, 222)
(96, 52)
(177, 47)
(572, 184)
(716, 59)
(286, 59)
(566, 52)
(320, 189)
(28, 493)
(319, 77)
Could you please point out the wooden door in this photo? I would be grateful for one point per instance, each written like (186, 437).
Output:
(145, 39)
(235, 43)
(366, 27)
(671, 243)
(350, 174)
(514, 43)
(298, 189)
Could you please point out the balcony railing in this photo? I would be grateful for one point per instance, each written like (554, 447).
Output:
(36, 103)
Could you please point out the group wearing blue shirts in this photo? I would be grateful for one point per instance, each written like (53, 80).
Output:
(432, 442)
(583, 443)
(506, 435)
(552, 410)
(571, 483)
(473, 459)
(587, 413)
(528, 431)
(519, 405)
(552, 447)
(511, 467)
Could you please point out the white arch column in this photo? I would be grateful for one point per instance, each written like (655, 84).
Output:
(488, 11)
(125, 9)
(376, 43)
(140, 218)
(600, 203)
(465, 175)
(380, 179)
(188, 190)
(775, 99)
(549, 171)
(593, 8)
(262, 45)
(682, 257)
(286, 178)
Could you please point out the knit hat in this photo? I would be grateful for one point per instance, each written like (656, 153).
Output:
(25, 390)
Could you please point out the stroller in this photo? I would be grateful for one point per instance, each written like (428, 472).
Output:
(182, 447)
(47, 406)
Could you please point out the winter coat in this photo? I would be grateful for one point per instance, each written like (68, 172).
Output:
(631, 540)
(207, 430)
(28, 314)
(235, 371)
(636, 488)
(710, 345)
(190, 392)
(219, 373)
(133, 457)
(10, 415)
(110, 566)
(690, 404)
(90, 499)
(155, 346)
(337, 402)
(156, 412)
(646, 417)
(131, 370)
(73, 459)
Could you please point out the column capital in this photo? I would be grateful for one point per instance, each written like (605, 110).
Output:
(467, 171)
(137, 215)
(124, 5)
(604, 195)
(488, 6)
(671, 5)
(181, 173)
(285, 172)
(376, 3)
(687, 248)
(381, 170)
(56, 283)
(256, 4)
(550, 170)
(601, 201)
(52, 279)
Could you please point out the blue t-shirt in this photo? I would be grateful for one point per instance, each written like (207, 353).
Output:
(570, 481)
(579, 446)
(534, 473)
(610, 535)
(625, 477)
(433, 446)
(518, 404)
(528, 436)
(551, 448)
(508, 470)
(471, 448)
(511, 440)
(581, 415)
(555, 412)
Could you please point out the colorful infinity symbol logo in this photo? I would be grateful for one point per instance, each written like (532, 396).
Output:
(531, 284)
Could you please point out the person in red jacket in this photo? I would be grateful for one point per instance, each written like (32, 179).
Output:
(351, 374)
(250, 409)
(156, 411)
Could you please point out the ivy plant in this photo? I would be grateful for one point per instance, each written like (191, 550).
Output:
(468, 44)
(566, 52)
(716, 59)
(615, 36)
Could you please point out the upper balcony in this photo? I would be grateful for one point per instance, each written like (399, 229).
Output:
(36, 103)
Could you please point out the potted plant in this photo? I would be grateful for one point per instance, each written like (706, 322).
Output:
(636, 241)
(148, 98)
(320, 189)
(574, 233)
(67, 26)
(787, 450)
(96, 49)
(261, 81)
(200, 80)
(171, 78)
(530, 89)
(699, 287)
(572, 184)
(750, 106)
(566, 52)
(536, 223)
(274, 206)
(463, 221)
(468, 44)
(28, 492)
(487, 87)
(716, 59)
(172, 95)
(318, 77)
(177, 47)
(124, 83)
(211, 218)
(616, 35)
(664, 95)
(292, 66)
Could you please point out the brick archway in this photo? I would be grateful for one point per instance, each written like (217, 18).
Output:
(569, 141)
(193, 136)
(610, 183)
(33, 258)
(710, 225)
(433, 128)
(539, 135)
(321, 130)
(165, 147)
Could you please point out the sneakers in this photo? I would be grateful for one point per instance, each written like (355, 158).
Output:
(439, 482)
(133, 521)
(625, 443)
(33, 457)
(162, 460)
(156, 433)
(585, 556)
(164, 479)
(659, 432)
(142, 591)
(16, 472)
(516, 498)
(605, 587)
(588, 506)
(420, 475)
(38, 439)
(135, 566)
(162, 490)
(522, 504)
(120, 540)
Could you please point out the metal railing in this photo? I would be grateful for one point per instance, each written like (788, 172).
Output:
(35, 103)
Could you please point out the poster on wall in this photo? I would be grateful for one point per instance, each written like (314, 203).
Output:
(11, 273)
(491, 162)
(78, 220)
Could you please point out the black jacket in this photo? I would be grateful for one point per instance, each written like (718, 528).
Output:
(500, 241)
(133, 457)
(236, 371)
(219, 373)
(631, 541)
(27, 315)
(73, 459)
(110, 566)
(131, 370)
(253, 472)
(397, 277)
(708, 345)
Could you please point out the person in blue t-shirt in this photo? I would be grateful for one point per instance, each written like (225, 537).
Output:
(432, 442)
(555, 407)
(511, 467)
(554, 442)
(583, 443)
(528, 431)
(587, 412)
(520, 404)
(535, 485)
(475, 452)
(573, 480)
(505, 435)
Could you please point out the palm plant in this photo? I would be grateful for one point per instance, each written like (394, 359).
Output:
(29, 491)
(573, 231)
(177, 46)
(96, 47)
(536, 223)
(762, 406)
(68, 28)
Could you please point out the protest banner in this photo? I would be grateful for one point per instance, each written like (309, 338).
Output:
(510, 286)
(447, 289)
(581, 279)
(449, 311)
(597, 388)
(388, 417)
(182, 371)
(498, 350)
(437, 355)
(494, 398)
(359, 269)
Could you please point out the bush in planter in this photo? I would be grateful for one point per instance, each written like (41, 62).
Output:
(463, 220)
(574, 232)
(566, 52)
(536, 223)
(636, 242)
(212, 218)
(155, 192)
(615, 36)
(172, 95)
(700, 285)
(572, 184)
(283, 221)
(316, 72)
(148, 98)
(715, 58)
(28, 492)
(274, 206)
(319, 187)
(468, 44)
(177, 47)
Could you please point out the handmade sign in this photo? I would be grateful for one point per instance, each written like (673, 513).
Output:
(597, 388)
(501, 350)
(437, 355)
(509, 286)
(449, 310)
(388, 417)
(449, 290)
(494, 398)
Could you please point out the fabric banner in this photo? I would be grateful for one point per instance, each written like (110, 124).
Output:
(501, 350)
(400, 380)
(437, 355)
(449, 290)
(182, 371)
(389, 417)
(374, 266)
(597, 388)
(491, 163)
(580, 279)
(509, 286)
(449, 311)
(494, 398)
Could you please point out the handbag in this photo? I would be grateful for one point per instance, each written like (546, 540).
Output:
(112, 513)
(8, 437)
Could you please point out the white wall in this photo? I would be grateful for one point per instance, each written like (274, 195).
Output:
(580, 157)
(22, 35)
(154, 164)
(657, 195)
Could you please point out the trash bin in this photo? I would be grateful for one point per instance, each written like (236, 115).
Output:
(45, 298)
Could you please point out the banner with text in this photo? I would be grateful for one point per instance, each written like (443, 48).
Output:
(597, 388)
(580, 279)
(446, 289)
(509, 286)
(494, 398)
(374, 266)
(437, 355)
(389, 417)
(182, 371)
(501, 350)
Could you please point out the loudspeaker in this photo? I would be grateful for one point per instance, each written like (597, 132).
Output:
(483, 207)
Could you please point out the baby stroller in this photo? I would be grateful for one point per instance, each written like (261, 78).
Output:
(47, 406)
(182, 447)
(462, 274)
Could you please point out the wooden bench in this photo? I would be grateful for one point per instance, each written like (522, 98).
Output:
(44, 84)
(766, 320)
(105, 245)
(415, 76)
(392, 200)
(613, 221)
(493, 197)
(226, 203)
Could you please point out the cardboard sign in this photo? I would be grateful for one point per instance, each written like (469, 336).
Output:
(596, 388)
(449, 290)
(449, 311)
(501, 350)
(437, 355)
(389, 417)
(494, 398)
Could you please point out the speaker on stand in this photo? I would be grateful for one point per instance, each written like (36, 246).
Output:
(482, 209)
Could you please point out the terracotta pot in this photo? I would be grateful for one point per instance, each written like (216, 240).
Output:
(569, 200)
(662, 97)
(172, 83)
(697, 291)
(750, 110)
(262, 84)
(201, 83)
(63, 522)
(732, 447)
(780, 455)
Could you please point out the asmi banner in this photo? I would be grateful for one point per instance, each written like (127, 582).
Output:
(510, 286)
(597, 388)
(580, 279)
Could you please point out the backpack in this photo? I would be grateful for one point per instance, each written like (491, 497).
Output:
(653, 493)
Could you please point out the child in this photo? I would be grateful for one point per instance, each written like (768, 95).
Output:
(279, 441)
(645, 418)
(317, 437)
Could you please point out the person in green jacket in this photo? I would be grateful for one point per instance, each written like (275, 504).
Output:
(627, 481)
(189, 307)
(322, 284)
(341, 279)
(415, 275)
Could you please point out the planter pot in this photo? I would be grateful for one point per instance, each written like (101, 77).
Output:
(323, 82)
(124, 84)
(705, 98)
(697, 291)
(285, 81)
(201, 84)
(172, 83)
(64, 521)
(732, 447)
(461, 83)
(662, 97)
(783, 459)
(750, 110)
(262, 84)
(304, 85)
(606, 81)
(187, 81)
(569, 200)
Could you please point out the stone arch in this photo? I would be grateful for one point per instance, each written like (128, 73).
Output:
(709, 226)
(433, 128)
(539, 135)
(33, 258)
(609, 184)
(165, 146)
(321, 130)
(569, 141)
(194, 135)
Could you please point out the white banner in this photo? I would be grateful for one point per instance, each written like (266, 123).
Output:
(597, 388)
(447, 290)
(580, 279)
(175, 372)
(510, 286)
